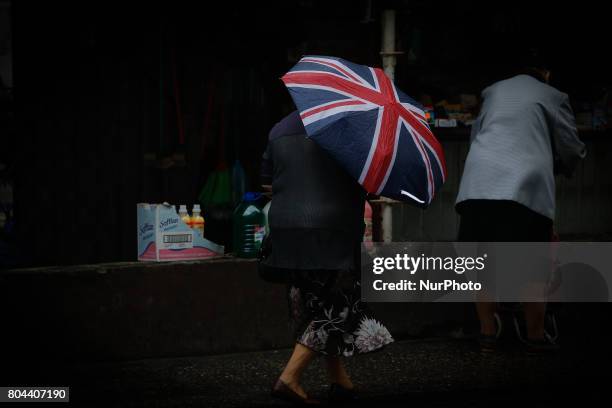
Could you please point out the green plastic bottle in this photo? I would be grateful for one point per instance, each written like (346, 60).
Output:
(249, 226)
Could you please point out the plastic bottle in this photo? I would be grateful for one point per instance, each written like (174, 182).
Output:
(197, 220)
(184, 215)
(249, 226)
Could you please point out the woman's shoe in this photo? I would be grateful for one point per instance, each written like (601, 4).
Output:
(341, 395)
(540, 347)
(487, 344)
(284, 392)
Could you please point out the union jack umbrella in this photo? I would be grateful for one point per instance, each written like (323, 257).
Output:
(376, 132)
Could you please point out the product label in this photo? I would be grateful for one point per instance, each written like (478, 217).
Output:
(168, 223)
(259, 231)
(178, 240)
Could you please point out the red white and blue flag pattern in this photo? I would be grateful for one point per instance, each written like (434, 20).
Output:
(378, 133)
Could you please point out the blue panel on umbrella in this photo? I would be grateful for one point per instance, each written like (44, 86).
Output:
(310, 98)
(409, 173)
(406, 99)
(349, 139)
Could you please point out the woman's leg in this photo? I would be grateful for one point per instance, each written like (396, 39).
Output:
(540, 229)
(337, 372)
(486, 315)
(292, 373)
(534, 316)
(475, 225)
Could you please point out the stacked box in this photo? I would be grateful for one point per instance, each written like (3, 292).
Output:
(163, 236)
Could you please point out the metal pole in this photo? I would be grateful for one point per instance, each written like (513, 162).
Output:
(388, 43)
(389, 59)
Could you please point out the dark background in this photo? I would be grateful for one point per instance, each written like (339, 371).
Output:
(95, 128)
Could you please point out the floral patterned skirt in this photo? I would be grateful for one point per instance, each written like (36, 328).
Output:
(327, 314)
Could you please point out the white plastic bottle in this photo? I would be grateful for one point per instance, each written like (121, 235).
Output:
(184, 215)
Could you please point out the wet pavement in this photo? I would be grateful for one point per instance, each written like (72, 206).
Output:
(423, 373)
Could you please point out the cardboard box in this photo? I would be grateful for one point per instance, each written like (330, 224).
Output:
(163, 236)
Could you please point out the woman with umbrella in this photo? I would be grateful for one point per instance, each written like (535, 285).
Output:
(354, 132)
(316, 225)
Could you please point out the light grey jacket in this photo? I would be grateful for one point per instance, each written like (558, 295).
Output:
(511, 153)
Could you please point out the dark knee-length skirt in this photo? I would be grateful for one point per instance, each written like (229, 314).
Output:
(328, 316)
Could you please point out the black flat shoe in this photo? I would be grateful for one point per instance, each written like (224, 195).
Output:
(487, 344)
(284, 392)
(340, 395)
(541, 347)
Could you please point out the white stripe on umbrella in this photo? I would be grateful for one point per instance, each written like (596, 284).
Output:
(329, 88)
(392, 163)
(334, 111)
(368, 162)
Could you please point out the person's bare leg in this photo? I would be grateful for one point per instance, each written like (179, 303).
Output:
(292, 374)
(534, 317)
(337, 372)
(486, 315)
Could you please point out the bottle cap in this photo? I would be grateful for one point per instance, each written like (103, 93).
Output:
(183, 208)
(196, 207)
(251, 196)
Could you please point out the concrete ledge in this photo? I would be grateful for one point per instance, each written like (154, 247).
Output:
(139, 310)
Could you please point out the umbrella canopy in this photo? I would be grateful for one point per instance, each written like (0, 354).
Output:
(376, 132)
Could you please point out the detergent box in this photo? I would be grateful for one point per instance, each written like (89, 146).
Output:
(163, 236)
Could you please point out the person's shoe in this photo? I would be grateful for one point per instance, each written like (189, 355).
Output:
(540, 347)
(282, 391)
(341, 395)
(487, 343)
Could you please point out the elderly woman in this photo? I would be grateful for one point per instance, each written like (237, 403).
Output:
(316, 226)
